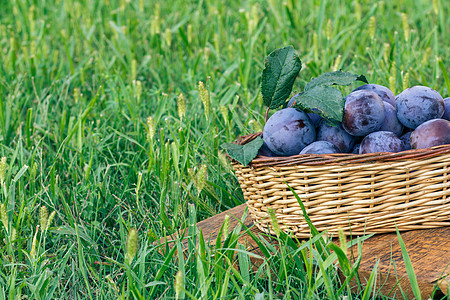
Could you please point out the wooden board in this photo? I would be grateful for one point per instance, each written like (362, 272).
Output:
(429, 251)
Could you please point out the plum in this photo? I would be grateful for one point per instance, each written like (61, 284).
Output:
(431, 133)
(391, 122)
(406, 140)
(417, 105)
(315, 118)
(385, 94)
(336, 135)
(364, 113)
(446, 114)
(288, 131)
(320, 147)
(265, 151)
(381, 141)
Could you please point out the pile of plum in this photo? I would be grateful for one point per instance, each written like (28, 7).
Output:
(374, 121)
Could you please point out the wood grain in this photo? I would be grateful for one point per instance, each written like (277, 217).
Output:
(428, 250)
(429, 253)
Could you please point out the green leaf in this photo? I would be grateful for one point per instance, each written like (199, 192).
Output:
(333, 78)
(281, 68)
(326, 101)
(244, 153)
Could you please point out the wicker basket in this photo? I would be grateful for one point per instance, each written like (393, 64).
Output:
(361, 193)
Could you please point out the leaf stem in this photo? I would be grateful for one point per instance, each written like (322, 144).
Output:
(267, 114)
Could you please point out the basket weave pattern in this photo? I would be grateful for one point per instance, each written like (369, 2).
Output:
(362, 194)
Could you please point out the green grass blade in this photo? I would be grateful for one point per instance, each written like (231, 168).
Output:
(371, 283)
(327, 280)
(409, 268)
(320, 244)
(165, 265)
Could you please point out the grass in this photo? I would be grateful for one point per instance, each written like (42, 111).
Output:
(93, 129)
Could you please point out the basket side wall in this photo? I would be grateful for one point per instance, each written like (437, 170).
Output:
(360, 198)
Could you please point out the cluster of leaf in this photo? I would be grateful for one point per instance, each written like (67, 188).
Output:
(319, 96)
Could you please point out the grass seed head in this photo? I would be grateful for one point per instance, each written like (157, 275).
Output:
(394, 70)
(12, 43)
(3, 168)
(137, 88)
(43, 217)
(381, 6)
(202, 176)
(4, 215)
(253, 18)
(224, 113)
(207, 53)
(217, 43)
(76, 95)
(386, 51)
(204, 97)
(405, 25)
(392, 84)
(179, 282)
(189, 33)
(199, 176)
(224, 161)
(168, 37)
(316, 45)
(132, 245)
(50, 219)
(34, 243)
(436, 6)
(372, 27)
(342, 240)
(226, 225)
(139, 182)
(329, 30)
(358, 10)
(181, 106)
(405, 81)
(337, 62)
(133, 69)
(151, 128)
(275, 225)
(155, 24)
(13, 234)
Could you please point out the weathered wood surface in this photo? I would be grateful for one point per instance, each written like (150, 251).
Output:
(428, 249)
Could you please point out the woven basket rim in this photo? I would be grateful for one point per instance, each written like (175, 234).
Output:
(340, 158)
